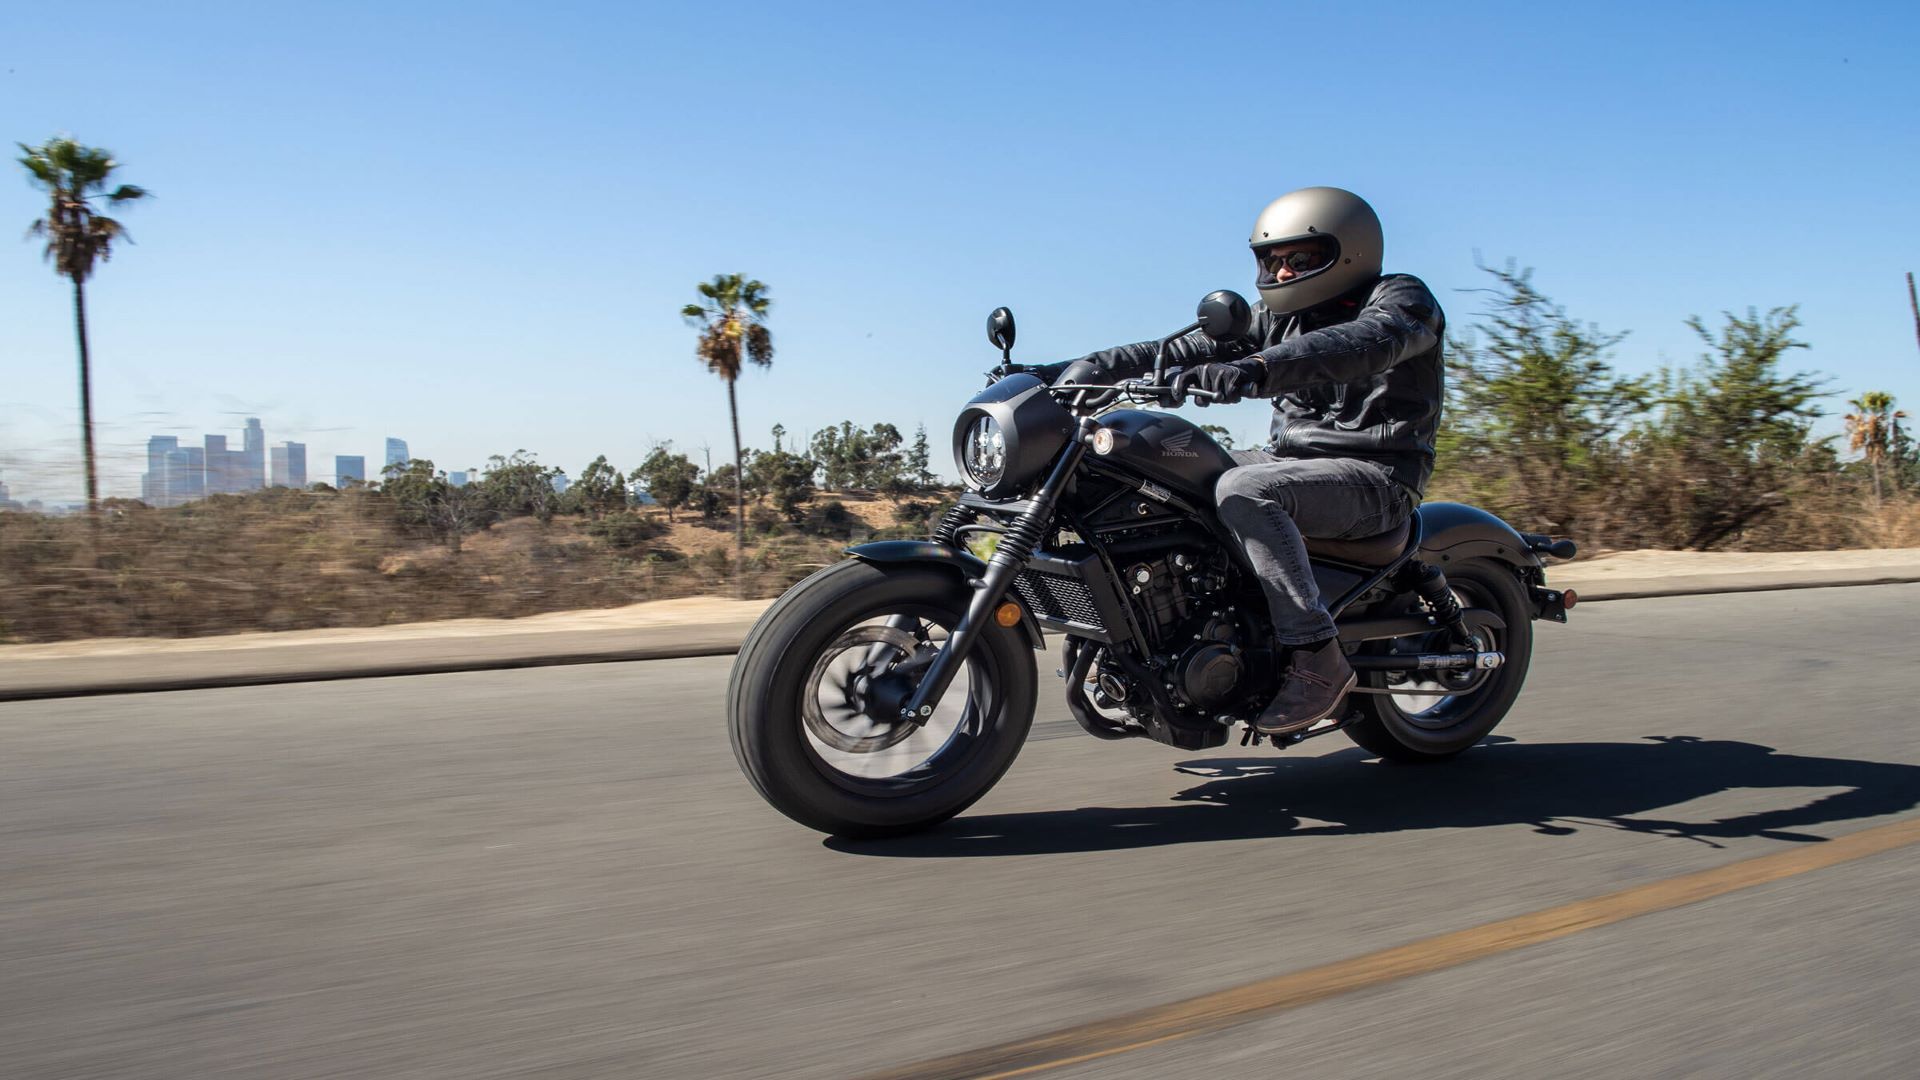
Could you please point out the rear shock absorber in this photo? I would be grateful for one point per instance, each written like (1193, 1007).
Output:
(1444, 606)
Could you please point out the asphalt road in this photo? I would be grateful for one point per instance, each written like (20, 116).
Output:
(559, 873)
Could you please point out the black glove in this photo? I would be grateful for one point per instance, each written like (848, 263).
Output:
(1050, 373)
(1226, 382)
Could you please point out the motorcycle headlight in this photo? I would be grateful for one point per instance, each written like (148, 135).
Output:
(983, 452)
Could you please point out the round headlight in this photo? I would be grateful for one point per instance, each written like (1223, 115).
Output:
(983, 453)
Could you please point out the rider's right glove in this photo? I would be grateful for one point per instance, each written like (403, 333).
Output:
(1227, 382)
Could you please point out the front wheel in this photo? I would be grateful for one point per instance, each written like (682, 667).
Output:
(1462, 708)
(808, 702)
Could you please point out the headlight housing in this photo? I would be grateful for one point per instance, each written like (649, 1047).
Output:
(983, 452)
(1008, 434)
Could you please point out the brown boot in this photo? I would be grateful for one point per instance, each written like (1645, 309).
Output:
(1316, 682)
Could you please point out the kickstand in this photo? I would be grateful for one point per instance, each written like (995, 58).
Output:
(1251, 737)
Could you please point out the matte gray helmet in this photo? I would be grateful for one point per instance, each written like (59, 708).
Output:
(1335, 239)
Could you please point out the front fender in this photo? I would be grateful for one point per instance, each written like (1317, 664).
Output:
(968, 566)
(1450, 532)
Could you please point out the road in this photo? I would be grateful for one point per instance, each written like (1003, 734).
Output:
(559, 873)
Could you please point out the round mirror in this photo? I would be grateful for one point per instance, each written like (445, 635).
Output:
(1223, 315)
(1000, 328)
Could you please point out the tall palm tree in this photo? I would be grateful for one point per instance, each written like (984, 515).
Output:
(77, 236)
(732, 318)
(1870, 429)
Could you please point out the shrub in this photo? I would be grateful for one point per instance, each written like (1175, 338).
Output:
(625, 531)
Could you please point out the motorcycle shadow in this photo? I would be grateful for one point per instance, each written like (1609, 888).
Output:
(1557, 788)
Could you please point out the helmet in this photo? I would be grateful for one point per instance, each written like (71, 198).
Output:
(1329, 238)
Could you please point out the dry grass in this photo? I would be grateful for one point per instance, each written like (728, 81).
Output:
(287, 560)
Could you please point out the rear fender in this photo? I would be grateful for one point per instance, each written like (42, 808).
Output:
(965, 565)
(1451, 532)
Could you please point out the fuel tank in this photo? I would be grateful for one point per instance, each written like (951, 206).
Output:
(1168, 450)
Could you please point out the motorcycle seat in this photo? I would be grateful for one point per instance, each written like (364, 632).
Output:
(1378, 550)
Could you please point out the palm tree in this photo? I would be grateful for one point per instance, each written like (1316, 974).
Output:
(73, 176)
(1870, 429)
(732, 318)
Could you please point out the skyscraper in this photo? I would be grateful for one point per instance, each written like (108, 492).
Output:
(349, 467)
(290, 465)
(220, 471)
(457, 478)
(253, 461)
(155, 487)
(396, 451)
(185, 474)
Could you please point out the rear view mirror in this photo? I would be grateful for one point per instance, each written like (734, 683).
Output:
(1000, 329)
(1223, 315)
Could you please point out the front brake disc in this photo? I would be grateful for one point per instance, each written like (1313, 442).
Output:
(863, 734)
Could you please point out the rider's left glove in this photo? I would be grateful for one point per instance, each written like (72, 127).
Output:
(1227, 382)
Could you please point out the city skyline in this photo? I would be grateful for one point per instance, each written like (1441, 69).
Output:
(179, 474)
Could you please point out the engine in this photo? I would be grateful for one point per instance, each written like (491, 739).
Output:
(1180, 599)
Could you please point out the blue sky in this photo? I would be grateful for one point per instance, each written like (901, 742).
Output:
(472, 225)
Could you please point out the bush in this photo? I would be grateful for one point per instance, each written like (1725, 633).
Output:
(625, 531)
(831, 519)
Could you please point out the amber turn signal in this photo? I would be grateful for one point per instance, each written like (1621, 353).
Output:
(1007, 614)
(1568, 598)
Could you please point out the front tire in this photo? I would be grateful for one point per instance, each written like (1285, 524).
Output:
(795, 698)
(1418, 728)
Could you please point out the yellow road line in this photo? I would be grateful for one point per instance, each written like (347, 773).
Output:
(1239, 1004)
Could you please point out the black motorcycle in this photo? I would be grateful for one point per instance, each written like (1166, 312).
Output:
(888, 692)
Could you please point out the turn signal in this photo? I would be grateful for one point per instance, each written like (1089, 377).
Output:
(1568, 598)
(1007, 614)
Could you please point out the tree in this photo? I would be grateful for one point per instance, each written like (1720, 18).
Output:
(424, 497)
(787, 478)
(919, 460)
(732, 318)
(600, 490)
(74, 176)
(669, 477)
(1729, 433)
(854, 458)
(1534, 406)
(1872, 429)
(518, 484)
(1220, 435)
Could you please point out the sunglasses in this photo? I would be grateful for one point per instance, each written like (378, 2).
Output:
(1298, 260)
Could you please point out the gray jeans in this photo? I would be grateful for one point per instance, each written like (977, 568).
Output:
(1270, 503)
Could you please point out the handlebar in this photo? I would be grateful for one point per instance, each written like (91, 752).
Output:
(1097, 396)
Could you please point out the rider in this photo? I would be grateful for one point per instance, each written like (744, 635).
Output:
(1352, 361)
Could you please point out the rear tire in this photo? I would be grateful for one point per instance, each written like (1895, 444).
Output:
(1388, 729)
(780, 667)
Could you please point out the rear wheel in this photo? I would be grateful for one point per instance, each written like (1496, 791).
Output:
(812, 703)
(1458, 709)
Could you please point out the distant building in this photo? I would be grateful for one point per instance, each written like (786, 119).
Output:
(349, 467)
(290, 465)
(457, 479)
(185, 474)
(6, 500)
(397, 451)
(251, 473)
(560, 483)
(221, 473)
(156, 487)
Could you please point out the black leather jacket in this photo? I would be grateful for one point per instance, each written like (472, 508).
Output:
(1359, 376)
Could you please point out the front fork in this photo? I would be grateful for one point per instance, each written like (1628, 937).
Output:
(1009, 558)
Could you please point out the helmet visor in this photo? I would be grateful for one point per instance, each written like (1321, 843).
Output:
(1288, 260)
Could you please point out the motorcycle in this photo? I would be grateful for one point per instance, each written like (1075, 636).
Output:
(888, 692)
